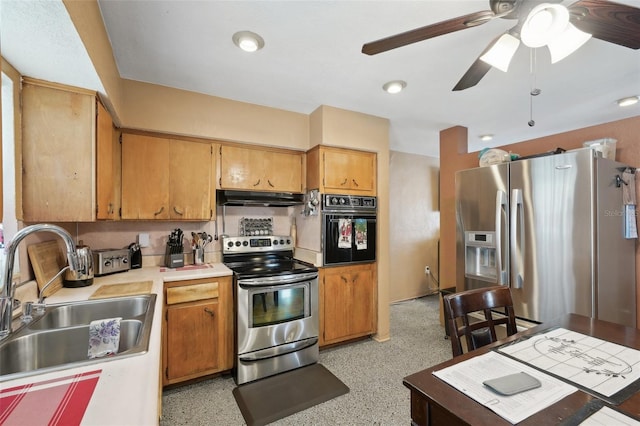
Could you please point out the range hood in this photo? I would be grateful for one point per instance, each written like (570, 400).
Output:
(256, 198)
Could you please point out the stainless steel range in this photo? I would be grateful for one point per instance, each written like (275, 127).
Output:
(276, 306)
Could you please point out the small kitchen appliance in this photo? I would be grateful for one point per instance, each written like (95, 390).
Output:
(136, 255)
(83, 276)
(110, 261)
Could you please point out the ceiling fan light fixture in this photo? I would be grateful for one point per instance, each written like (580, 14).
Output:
(544, 23)
(248, 41)
(628, 101)
(500, 54)
(395, 86)
(570, 40)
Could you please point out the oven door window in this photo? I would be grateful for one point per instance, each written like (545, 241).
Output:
(275, 305)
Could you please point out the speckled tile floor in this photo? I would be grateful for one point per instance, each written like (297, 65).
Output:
(373, 372)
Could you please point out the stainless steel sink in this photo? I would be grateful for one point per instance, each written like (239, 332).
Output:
(59, 339)
(85, 312)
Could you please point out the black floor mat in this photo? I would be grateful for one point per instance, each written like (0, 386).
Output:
(267, 400)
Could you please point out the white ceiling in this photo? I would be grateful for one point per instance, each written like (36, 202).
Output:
(312, 57)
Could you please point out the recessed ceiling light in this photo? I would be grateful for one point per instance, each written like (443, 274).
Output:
(248, 41)
(486, 138)
(631, 100)
(394, 86)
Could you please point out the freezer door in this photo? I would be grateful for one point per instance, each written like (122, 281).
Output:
(552, 236)
(482, 210)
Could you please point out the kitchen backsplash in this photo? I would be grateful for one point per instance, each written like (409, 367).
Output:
(119, 234)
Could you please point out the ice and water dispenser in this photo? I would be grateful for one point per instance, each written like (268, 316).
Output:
(481, 256)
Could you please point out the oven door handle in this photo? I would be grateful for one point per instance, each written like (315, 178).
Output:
(278, 350)
(277, 280)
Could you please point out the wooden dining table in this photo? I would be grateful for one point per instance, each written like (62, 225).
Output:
(434, 402)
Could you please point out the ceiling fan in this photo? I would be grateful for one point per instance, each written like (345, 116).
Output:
(605, 20)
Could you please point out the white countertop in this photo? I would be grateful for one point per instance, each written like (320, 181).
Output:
(127, 389)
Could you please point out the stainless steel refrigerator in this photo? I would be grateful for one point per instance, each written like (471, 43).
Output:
(553, 229)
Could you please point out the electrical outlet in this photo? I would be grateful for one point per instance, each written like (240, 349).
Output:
(427, 270)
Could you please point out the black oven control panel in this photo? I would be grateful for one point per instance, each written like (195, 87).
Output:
(348, 202)
(256, 244)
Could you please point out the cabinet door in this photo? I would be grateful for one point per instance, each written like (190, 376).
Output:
(105, 187)
(145, 177)
(241, 168)
(192, 339)
(283, 172)
(349, 170)
(337, 299)
(362, 171)
(190, 180)
(348, 302)
(362, 297)
(58, 155)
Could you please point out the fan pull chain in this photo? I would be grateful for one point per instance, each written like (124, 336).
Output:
(534, 90)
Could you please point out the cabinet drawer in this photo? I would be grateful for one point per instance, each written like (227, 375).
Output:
(191, 293)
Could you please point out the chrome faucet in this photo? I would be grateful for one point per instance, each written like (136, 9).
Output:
(7, 290)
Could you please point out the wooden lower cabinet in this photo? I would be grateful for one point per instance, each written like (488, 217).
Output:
(198, 333)
(347, 302)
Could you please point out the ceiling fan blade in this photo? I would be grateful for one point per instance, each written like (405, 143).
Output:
(427, 32)
(613, 22)
(477, 70)
(474, 74)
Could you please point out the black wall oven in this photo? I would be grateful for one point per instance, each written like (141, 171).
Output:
(348, 229)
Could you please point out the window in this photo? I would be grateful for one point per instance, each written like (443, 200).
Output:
(9, 226)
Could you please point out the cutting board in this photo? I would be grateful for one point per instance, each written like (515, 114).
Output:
(46, 260)
(127, 289)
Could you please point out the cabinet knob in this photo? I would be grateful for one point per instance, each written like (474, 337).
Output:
(344, 182)
(355, 182)
(175, 209)
(270, 184)
(257, 183)
(209, 311)
(159, 211)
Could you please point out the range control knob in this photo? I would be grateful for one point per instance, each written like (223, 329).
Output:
(230, 244)
(238, 243)
(275, 242)
(288, 241)
(245, 243)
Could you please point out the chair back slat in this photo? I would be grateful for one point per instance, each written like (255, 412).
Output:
(458, 308)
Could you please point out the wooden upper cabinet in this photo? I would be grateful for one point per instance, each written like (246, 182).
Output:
(341, 171)
(260, 170)
(145, 177)
(63, 131)
(166, 178)
(105, 166)
(191, 180)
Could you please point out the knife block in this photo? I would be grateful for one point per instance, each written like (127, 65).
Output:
(173, 260)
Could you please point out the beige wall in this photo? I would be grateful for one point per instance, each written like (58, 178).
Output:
(167, 110)
(414, 225)
(454, 156)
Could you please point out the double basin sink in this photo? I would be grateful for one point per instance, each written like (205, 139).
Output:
(59, 338)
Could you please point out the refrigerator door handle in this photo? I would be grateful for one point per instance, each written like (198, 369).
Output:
(501, 209)
(517, 250)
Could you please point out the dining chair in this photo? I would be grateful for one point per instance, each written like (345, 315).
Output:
(461, 313)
